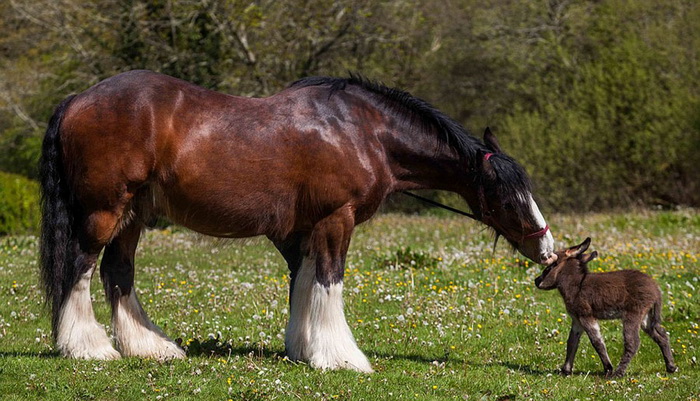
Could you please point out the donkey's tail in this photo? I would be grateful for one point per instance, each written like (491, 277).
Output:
(57, 214)
(654, 322)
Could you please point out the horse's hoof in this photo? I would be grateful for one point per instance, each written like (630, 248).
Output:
(104, 353)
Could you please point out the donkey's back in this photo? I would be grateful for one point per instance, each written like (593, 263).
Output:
(611, 295)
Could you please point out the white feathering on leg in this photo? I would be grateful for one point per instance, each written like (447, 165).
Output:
(78, 333)
(332, 345)
(297, 333)
(137, 335)
(317, 331)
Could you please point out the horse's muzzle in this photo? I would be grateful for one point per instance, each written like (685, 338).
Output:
(548, 259)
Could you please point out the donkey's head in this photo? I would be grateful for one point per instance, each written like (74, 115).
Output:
(571, 259)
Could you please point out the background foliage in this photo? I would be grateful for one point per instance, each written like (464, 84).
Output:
(19, 204)
(600, 100)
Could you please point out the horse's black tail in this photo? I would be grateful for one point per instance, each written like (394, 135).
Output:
(57, 214)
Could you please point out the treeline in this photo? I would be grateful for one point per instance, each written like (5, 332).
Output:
(600, 100)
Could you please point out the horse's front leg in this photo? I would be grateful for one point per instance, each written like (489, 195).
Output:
(317, 331)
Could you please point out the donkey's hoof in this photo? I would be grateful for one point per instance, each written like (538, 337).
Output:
(672, 369)
(565, 372)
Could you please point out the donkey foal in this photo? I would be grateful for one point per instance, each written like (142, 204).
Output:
(629, 295)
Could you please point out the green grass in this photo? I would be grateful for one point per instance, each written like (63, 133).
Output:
(439, 315)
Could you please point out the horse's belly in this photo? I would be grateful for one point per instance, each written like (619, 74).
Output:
(217, 215)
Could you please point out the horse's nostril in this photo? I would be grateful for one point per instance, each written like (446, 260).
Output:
(549, 259)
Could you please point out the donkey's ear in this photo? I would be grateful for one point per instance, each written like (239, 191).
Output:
(587, 257)
(491, 142)
(578, 249)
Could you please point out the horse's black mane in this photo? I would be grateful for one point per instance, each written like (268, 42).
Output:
(455, 135)
(512, 179)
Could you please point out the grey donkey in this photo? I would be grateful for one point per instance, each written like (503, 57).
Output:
(629, 295)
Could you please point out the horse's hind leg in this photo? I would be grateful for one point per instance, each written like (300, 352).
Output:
(136, 335)
(317, 329)
(78, 334)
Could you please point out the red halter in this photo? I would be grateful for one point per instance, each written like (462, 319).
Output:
(540, 233)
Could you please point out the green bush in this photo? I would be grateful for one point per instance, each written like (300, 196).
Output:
(19, 205)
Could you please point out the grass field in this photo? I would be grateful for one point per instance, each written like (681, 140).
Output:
(439, 315)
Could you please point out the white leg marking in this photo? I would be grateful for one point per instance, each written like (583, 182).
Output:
(297, 333)
(332, 344)
(317, 330)
(595, 332)
(79, 335)
(137, 335)
(645, 321)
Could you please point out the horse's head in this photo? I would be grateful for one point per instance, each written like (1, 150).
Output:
(504, 202)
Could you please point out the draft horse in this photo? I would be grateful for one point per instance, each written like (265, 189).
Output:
(302, 167)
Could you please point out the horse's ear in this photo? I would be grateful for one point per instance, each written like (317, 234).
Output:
(491, 142)
(578, 249)
(587, 257)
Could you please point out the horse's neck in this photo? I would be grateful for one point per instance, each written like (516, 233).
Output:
(421, 163)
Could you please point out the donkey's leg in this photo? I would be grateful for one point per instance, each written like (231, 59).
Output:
(630, 333)
(590, 325)
(658, 334)
(136, 335)
(78, 334)
(317, 330)
(572, 346)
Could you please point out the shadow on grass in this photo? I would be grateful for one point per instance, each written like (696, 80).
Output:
(216, 347)
(532, 371)
(522, 368)
(25, 354)
(439, 359)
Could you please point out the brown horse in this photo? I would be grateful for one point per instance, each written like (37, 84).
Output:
(302, 167)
